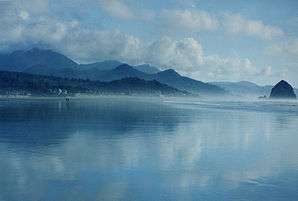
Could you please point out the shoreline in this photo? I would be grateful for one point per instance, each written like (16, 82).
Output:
(90, 97)
(83, 97)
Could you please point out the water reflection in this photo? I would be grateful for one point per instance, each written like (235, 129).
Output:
(128, 149)
(38, 122)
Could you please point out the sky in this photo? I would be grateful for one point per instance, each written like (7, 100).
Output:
(207, 40)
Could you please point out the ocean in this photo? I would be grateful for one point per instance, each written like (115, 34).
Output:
(148, 149)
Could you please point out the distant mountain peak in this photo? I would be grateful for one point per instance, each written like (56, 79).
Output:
(124, 67)
(170, 72)
(147, 68)
(21, 60)
(37, 50)
(102, 65)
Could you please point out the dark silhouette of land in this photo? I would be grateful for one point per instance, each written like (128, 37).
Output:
(17, 83)
(282, 90)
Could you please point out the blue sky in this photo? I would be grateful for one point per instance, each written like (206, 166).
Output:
(207, 40)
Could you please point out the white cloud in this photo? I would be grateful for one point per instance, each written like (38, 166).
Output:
(86, 45)
(98, 45)
(17, 12)
(190, 19)
(24, 15)
(238, 25)
(185, 54)
(268, 71)
(187, 57)
(228, 68)
(288, 47)
(249, 68)
(116, 8)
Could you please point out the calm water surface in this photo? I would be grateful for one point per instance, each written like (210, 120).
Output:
(148, 149)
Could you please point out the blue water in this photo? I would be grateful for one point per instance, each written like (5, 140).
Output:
(148, 149)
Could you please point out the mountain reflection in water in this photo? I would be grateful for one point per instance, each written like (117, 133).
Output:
(147, 149)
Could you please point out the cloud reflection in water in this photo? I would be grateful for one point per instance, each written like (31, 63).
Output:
(123, 149)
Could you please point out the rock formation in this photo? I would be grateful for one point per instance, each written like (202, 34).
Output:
(282, 90)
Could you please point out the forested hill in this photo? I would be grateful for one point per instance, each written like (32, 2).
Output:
(16, 83)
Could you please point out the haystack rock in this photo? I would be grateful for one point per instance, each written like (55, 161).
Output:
(282, 90)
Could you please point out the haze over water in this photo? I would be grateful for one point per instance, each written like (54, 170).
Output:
(148, 149)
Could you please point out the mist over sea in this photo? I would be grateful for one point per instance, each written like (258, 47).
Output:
(148, 149)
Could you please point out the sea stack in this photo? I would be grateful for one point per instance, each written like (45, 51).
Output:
(282, 90)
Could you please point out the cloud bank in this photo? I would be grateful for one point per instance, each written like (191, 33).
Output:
(22, 29)
(190, 19)
(238, 25)
(288, 47)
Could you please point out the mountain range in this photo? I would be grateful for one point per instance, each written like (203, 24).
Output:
(21, 60)
(48, 62)
(18, 83)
